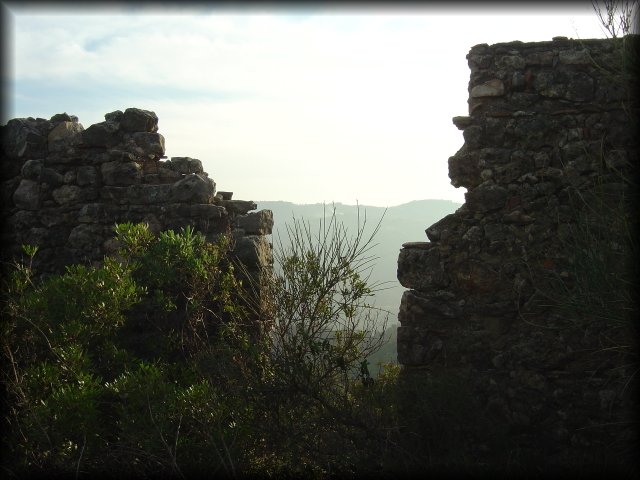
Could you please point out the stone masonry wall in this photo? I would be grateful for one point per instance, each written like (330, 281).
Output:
(547, 122)
(65, 187)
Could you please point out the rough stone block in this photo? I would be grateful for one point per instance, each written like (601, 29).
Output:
(421, 269)
(22, 138)
(100, 135)
(185, 165)
(193, 189)
(574, 57)
(72, 194)
(27, 195)
(443, 229)
(418, 346)
(121, 173)
(486, 198)
(31, 169)
(256, 223)
(87, 175)
(64, 136)
(86, 236)
(152, 144)
(207, 211)
(490, 88)
(435, 309)
(253, 251)
(138, 120)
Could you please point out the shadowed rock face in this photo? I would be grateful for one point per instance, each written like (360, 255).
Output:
(65, 187)
(543, 120)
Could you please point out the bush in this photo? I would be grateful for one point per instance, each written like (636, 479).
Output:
(147, 364)
(90, 359)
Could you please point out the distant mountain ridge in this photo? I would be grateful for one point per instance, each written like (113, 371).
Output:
(400, 224)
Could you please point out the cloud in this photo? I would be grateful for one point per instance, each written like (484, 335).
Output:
(302, 105)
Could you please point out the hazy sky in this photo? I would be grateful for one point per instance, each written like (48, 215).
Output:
(299, 103)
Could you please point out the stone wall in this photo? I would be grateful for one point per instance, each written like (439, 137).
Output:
(548, 136)
(65, 187)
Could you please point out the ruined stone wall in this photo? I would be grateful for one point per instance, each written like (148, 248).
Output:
(65, 187)
(549, 124)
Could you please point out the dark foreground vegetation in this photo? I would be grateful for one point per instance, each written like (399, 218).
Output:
(161, 361)
(169, 359)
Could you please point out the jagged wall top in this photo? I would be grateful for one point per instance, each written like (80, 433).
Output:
(64, 187)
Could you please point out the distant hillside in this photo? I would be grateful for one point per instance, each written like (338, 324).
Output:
(403, 223)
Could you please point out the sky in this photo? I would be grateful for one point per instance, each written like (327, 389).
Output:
(302, 103)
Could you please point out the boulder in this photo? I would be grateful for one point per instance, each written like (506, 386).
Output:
(31, 169)
(121, 173)
(193, 188)
(21, 138)
(102, 134)
(256, 223)
(486, 198)
(421, 267)
(185, 165)
(27, 195)
(64, 136)
(137, 120)
(152, 144)
(70, 194)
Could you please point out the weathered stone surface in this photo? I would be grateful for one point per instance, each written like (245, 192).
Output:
(490, 88)
(254, 250)
(24, 138)
(152, 144)
(239, 207)
(418, 346)
(574, 57)
(581, 88)
(462, 122)
(70, 194)
(185, 165)
(64, 136)
(63, 117)
(53, 178)
(464, 169)
(138, 120)
(193, 188)
(50, 217)
(27, 195)
(444, 228)
(114, 117)
(87, 175)
(421, 269)
(511, 62)
(473, 135)
(207, 211)
(92, 212)
(436, 309)
(540, 58)
(486, 198)
(121, 173)
(138, 194)
(31, 169)
(256, 223)
(86, 237)
(101, 135)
